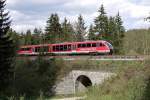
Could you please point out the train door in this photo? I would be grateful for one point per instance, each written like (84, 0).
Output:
(73, 47)
(33, 50)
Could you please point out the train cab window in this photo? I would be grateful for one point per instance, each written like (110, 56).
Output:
(100, 45)
(89, 45)
(103, 45)
(93, 44)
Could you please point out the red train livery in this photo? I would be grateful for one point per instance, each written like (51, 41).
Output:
(86, 47)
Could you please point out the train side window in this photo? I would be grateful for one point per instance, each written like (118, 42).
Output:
(22, 49)
(88, 45)
(54, 48)
(69, 47)
(83, 45)
(57, 48)
(25, 49)
(61, 47)
(79, 46)
(100, 44)
(65, 47)
(37, 49)
(93, 44)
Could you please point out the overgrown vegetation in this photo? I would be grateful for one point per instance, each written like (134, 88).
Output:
(137, 42)
(34, 77)
(131, 83)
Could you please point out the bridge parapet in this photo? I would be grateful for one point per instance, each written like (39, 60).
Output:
(108, 57)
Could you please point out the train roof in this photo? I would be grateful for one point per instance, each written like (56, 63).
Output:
(80, 42)
(26, 46)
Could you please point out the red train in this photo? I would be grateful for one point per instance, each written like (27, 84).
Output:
(87, 47)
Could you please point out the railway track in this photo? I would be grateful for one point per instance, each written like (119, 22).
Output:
(98, 57)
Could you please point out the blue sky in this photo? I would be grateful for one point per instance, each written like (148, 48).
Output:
(28, 14)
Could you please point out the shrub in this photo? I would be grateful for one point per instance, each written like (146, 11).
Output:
(31, 77)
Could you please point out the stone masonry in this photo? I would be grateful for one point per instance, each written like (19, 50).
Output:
(70, 83)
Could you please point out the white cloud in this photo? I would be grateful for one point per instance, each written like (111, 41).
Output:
(13, 2)
(47, 1)
(140, 24)
(132, 12)
(21, 22)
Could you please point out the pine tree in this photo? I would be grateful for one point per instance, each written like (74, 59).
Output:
(112, 29)
(15, 37)
(36, 36)
(28, 38)
(68, 31)
(65, 30)
(7, 49)
(91, 35)
(22, 38)
(53, 30)
(120, 30)
(80, 29)
(101, 23)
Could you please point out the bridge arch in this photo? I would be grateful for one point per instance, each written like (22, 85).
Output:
(82, 82)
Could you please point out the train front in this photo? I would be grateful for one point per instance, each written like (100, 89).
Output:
(110, 47)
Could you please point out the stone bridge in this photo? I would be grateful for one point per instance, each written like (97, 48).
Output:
(78, 80)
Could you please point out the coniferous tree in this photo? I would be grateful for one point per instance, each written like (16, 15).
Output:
(72, 32)
(7, 49)
(91, 35)
(53, 30)
(22, 38)
(68, 31)
(101, 24)
(36, 36)
(120, 27)
(80, 29)
(65, 30)
(28, 38)
(120, 30)
(112, 29)
(15, 37)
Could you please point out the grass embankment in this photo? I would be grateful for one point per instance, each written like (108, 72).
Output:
(131, 83)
